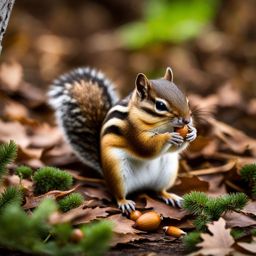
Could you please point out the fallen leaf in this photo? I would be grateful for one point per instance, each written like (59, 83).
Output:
(250, 208)
(234, 95)
(11, 75)
(14, 131)
(122, 225)
(99, 193)
(234, 139)
(90, 214)
(187, 184)
(82, 214)
(219, 243)
(58, 155)
(236, 219)
(124, 238)
(250, 247)
(165, 210)
(45, 136)
(33, 201)
(219, 169)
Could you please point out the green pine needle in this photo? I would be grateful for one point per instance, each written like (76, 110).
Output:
(70, 201)
(11, 195)
(195, 202)
(201, 221)
(51, 178)
(248, 172)
(8, 153)
(191, 240)
(24, 172)
(235, 201)
(209, 209)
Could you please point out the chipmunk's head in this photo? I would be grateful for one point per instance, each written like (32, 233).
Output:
(161, 101)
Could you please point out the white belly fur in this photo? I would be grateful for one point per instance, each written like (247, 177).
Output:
(156, 174)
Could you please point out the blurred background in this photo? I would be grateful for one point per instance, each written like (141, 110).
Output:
(210, 45)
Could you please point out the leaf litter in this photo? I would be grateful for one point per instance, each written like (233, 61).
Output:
(211, 164)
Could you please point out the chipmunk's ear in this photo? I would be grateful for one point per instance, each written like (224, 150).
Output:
(168, 74)
(142, 86)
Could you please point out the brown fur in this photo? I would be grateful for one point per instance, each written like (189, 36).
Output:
(172, 94)
(95, 109)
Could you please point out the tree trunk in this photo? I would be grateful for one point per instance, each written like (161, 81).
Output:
(5, 12)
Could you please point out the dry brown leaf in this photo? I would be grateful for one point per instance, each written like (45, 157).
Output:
(219, 243)
(33, 201)
(11, 75)
(213, 170)
(187, 184)
(58, 155)
(236, 219)
(14, 131)
(99, 193)
(90, 214)
(250, 247)
(250, 208)
(234, 96)
(122, 225)
(165, 210)
(124, 238)
(217, 186)
(45, 136)
(33, 95)
(234, 139)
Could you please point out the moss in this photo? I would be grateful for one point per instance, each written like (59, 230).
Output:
(70, 201)
(24, 172)
(51, 178)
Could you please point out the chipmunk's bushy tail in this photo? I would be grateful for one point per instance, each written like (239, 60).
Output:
(81, 100)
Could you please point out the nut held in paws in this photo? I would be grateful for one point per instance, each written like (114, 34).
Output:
(183, 131)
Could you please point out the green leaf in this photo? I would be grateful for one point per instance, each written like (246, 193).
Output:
(168, 21)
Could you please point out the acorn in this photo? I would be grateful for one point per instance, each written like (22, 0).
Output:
(183, 131)
(173, 231)
(76, 235)
(134, 215)
(148, 221)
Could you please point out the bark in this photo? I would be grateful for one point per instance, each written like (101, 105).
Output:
(5, 12)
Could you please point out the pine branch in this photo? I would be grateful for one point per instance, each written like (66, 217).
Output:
(11, 195)
(8, 153)
(191, 240)
(195, 202)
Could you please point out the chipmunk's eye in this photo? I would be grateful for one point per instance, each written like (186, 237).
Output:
(161, 106)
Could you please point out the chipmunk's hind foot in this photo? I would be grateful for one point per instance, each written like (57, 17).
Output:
(126, 206)
(171, 199)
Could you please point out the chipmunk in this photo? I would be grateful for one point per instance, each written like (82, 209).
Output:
(132, 142)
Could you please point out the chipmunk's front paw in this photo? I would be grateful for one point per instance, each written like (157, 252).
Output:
(176, 139)
(126, 206)
(171, 199)
(192, 133)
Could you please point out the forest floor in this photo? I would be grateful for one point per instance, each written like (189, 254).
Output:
(217, 69)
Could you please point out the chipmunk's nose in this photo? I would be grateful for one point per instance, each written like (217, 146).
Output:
(186, 120)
